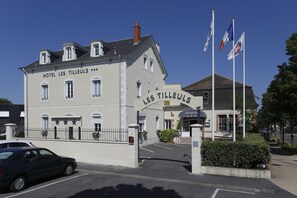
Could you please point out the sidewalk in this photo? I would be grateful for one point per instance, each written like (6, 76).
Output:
(284, 169)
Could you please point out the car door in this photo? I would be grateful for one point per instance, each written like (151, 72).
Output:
(35, 166)
(54, 165)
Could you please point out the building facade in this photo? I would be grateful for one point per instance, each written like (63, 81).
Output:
(95, 86)
(182, 117)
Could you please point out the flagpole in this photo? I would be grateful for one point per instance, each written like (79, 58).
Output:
(213, 94)
(243, 84)
(234, 125)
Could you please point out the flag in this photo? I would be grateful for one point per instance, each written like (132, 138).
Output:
(228, 36)
(208, 36)
(237, 47)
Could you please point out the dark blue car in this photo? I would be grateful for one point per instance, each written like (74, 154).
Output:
(20, 165)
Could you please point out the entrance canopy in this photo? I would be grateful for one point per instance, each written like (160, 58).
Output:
(190, 113)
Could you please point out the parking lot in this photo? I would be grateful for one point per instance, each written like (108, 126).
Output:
(165, 172)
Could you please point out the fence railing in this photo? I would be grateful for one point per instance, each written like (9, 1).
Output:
(71, 133)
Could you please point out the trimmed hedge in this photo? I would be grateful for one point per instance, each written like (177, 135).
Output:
(167, 135)
(251, 153)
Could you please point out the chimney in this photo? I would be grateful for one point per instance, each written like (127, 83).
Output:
(136, 33)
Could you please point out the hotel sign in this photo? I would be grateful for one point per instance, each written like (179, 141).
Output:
(173, 95)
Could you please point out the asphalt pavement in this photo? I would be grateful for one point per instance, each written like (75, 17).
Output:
(165, 171)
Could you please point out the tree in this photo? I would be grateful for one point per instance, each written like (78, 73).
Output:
(5, 101)
(279, 103)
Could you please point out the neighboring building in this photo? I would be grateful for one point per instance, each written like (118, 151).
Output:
(11, 113)
(95, 86)
(185, 117)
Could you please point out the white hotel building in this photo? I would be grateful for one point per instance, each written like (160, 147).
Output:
(95, 86)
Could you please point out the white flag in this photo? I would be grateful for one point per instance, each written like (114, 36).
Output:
(208, 37)
(237, 47)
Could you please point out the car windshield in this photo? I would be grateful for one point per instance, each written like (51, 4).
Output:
(5, 155)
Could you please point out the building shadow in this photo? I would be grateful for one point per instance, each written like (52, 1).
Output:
(276, 150)
(125, 190)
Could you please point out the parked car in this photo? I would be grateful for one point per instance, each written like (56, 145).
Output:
(14, 143)
(20, 165)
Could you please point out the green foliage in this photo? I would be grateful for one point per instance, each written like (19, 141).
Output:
(249, 153)
(3, 137)
(279, 103)
(5, 101)
(167, 135)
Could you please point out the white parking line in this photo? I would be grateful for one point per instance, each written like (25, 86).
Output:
(218, 189)
(145, 157)
(146, 149)
(163, 146)
(50, 184)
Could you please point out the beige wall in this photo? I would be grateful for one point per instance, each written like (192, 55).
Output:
(88, 152)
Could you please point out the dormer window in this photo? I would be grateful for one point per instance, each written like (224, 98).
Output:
(44, 57)
(69, 52)
(96, 49)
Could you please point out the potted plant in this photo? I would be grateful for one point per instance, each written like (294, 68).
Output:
(44, 133)
(96, 135)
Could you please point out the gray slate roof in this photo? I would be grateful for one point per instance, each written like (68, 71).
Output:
(111, 50)
(223, 92)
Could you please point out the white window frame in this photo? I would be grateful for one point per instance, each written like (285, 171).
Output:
(97, 121)
(67, 96)
(44, 57)
(69, 52)
(142, 123)
(96, 47)
(145, 60)
(151, 64)
(45, 122)
(44, 92)
(138, 89)
(96, 93)
(167, 123)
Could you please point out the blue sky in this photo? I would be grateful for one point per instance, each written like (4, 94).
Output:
(180, 27)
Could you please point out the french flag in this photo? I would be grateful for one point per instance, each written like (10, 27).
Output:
(228, 36)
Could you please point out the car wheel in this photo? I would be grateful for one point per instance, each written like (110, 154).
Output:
(68, 170)
(18, 184)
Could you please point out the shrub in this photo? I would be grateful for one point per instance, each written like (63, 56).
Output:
(251, 153)
(167, 135)
(3, 137)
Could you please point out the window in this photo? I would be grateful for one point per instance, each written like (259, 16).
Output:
(167, 124)
(151, 65)
(231, 121)
(157, 123)
(44, 92)
(96, 49)
(69, 89)
(97, 121)
(142, 123)
(96, 83)
(43, 58)
(145, 62)
(45, 154)
(222, 122)
(45, 122)
(138, 89)
(68, 53)
(205, 95)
